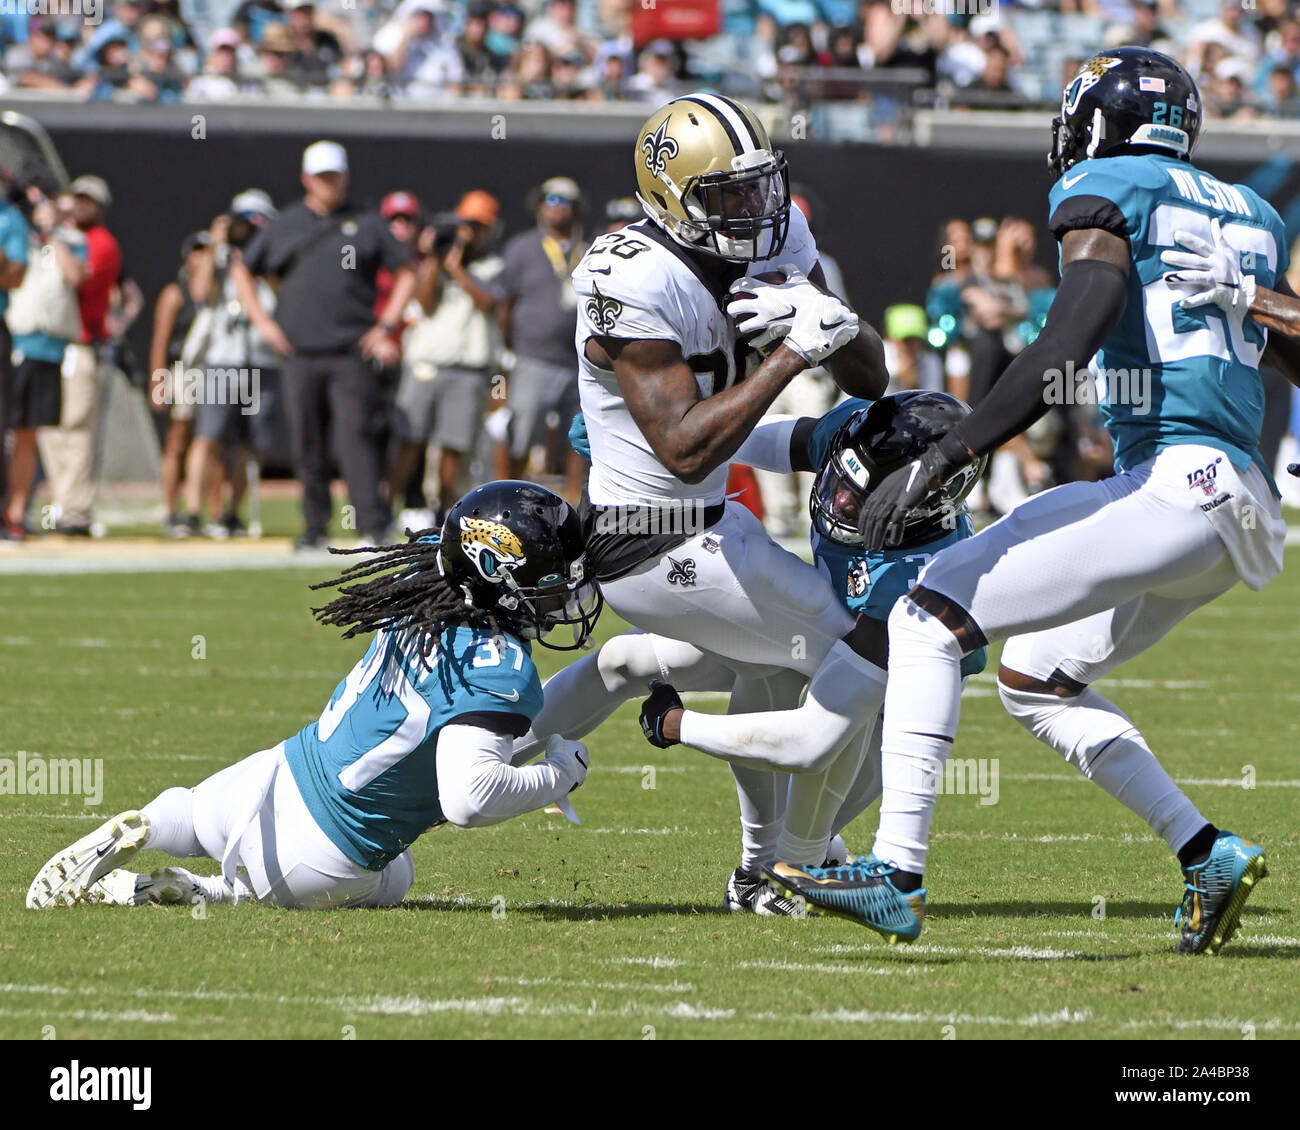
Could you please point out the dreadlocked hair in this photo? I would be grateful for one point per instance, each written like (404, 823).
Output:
(415, 597)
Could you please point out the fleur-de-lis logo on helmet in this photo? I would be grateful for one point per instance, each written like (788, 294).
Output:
(659, 148)
(603, 311)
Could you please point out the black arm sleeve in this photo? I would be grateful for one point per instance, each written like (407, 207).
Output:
(494, 721)
(800, 440)
(1087, 307)
(1282, 351)
(1076, 213)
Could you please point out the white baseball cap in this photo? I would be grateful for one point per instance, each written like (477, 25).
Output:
(324, 157)
(253, 200)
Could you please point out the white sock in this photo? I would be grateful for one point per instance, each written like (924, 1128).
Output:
(1099, 740)
(171, 823)
(762, 794)
(815, 801)
(850, 687)
(866, 785)
(922, 709)
(213, 888)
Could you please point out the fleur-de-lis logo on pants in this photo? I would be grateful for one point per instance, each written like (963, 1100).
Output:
(603, 311)
(681, 572)
(658, 148)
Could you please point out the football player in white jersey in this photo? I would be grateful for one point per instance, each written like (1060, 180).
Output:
(668, 395)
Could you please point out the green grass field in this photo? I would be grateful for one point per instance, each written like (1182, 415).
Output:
(540, 929)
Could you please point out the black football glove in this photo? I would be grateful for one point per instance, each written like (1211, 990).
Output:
(881, 519)
(1293, 469)
(663, 698)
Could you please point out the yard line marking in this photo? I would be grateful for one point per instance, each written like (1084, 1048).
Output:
(831, 967)
(1033, 1020)
(129, 1016)
(1051, 838)
(1211, 782)
(1128, 684)
(603, 986)
(411, 1005)
(652, 962)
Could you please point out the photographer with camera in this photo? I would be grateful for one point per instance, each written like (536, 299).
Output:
(539, 315)
(242, 368)
(13, 264)
(43, 319)
(450, 356)
(68, 451)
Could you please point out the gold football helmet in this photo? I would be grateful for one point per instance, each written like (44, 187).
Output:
(706, 173)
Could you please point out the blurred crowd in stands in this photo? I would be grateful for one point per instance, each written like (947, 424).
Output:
(988, 53)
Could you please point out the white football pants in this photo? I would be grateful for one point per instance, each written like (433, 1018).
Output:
(1097, 571)
(290, 862)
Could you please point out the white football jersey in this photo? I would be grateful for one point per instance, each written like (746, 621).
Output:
(637, 284)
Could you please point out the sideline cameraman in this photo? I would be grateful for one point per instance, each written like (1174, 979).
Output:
(242, 371)
(43, 319)
(13, 265)
(452, 353)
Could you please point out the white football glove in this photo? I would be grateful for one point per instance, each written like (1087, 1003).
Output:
(767, 313)
(1211, 273)
(569, 758)
(808, 320)
(820, 328)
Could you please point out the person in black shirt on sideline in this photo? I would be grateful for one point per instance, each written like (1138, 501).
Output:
(326, 255)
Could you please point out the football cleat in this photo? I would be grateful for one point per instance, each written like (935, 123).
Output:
(69, 876)
(118, 888)
(1217, 889)
(747, 894)
(167, 885)
(861, 890)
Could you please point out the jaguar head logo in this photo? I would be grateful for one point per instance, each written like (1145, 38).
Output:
(659, 149)
(490, 545)
(1091, 73)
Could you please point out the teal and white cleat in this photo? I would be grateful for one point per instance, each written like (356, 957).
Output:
(69, 876)
(1216, 891)
(860, 890)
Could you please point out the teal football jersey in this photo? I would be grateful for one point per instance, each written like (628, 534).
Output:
(1175, 376)
(870, 583)
(367, 767)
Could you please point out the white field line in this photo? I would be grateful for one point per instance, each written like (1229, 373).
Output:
(97, 1015)
(825, 967)
(1128, 684)
(1211, 782)
(638, 769)
(415, 1006)
(601, 986)
(151, 560)
(650, 962)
